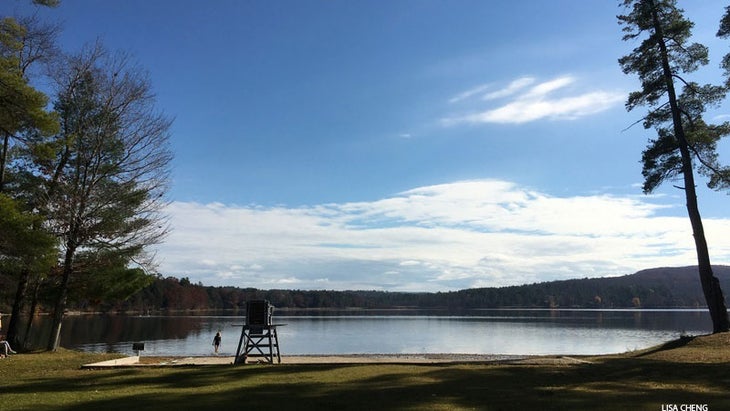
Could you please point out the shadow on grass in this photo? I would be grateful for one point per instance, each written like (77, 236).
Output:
(670, 345)
(627, 383)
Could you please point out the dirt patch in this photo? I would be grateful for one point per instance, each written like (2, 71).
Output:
(372, 359)
(156, 360)
(171, 361)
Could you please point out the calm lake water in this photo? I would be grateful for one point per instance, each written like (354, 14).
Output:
(509, 332)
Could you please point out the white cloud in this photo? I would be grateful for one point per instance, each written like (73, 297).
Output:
(449, 236)
(540, 101)
(409, 263)
(543, 89)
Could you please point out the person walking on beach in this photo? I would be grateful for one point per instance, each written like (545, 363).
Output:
(217, 341)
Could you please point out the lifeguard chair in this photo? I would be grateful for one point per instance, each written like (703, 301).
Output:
(258, 336)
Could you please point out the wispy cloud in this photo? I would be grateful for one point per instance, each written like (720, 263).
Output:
(470, 93)
(553, 99)
(450, 236)
(487, 92)
(511, 89)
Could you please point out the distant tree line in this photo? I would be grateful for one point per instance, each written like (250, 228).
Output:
(654, 288)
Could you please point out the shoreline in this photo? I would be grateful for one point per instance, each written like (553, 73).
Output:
(710, 348)
(436, 358)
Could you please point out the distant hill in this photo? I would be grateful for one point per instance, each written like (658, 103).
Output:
(652, 288)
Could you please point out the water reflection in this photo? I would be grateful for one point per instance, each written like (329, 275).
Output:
(512, 332)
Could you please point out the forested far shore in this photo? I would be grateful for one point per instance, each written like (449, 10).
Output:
(653, 288)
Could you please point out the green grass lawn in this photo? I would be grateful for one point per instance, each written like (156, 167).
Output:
(690, 372)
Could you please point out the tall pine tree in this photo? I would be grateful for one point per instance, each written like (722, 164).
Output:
(684, 142)
(23, 43)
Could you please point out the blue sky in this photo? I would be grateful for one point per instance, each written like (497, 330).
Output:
(401, 145)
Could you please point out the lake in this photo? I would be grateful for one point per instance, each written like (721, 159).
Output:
(508, 332)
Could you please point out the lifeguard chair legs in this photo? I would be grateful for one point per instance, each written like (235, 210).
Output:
(258, 342)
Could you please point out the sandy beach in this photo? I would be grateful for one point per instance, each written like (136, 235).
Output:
(707, 348)
(152, 361)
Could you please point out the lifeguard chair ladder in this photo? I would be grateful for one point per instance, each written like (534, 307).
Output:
(258, 336)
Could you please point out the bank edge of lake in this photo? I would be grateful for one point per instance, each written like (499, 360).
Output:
(712, 348)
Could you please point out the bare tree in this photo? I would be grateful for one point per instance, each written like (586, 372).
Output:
(105, 185)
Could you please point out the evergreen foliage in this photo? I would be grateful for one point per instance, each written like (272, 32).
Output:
(22, 107)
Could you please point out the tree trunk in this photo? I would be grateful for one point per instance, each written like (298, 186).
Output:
(31, 313)
(12, 335)
(3, 160)
(710, 284)
(59, 311)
